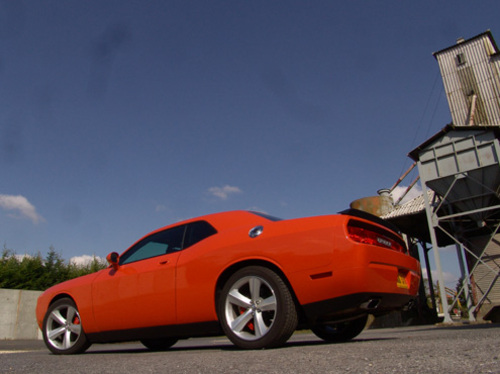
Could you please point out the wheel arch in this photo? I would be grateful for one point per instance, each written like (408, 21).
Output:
(61, 296)
(56, 298)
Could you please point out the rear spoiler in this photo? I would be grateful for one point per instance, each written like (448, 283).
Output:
(370, 217)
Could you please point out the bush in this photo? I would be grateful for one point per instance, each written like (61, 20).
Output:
(37, 274)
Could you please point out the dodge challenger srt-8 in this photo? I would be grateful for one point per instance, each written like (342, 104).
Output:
(250, 276)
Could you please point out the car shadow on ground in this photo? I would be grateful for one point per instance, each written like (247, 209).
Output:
(228, 347)
(296, 341)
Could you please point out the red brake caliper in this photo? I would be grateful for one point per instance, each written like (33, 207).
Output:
(249, 324)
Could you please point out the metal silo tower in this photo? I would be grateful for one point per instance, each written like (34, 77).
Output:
(459, 171)
(470, 72)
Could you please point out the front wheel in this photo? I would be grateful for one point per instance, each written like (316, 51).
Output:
(340, 332)
(62, 329)
(256, 309)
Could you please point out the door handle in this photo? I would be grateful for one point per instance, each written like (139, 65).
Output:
(164, 262)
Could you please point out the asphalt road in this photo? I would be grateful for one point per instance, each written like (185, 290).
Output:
(424, 349)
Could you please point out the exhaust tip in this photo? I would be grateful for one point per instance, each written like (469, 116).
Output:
(370, 304)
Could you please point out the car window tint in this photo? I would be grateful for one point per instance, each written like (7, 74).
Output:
(157, 244)
(148, 250)
(197, 231)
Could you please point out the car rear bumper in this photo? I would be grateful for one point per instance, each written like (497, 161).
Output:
(369, 280)
(352, 306)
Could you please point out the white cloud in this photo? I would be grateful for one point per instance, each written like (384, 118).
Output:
(400, 190)
(22, 257)
(450, 279)
(160, 208)
(22, 206)
(224, 192)
(84, 260)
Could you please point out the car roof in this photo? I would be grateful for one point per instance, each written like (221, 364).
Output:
(223, 220)
(229, 219)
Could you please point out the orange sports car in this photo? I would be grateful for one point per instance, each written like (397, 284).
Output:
(250, 276)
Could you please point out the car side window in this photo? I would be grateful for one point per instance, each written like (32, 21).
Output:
(157, 244)
(197, 231)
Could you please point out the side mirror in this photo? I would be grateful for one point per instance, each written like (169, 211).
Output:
(112, 259)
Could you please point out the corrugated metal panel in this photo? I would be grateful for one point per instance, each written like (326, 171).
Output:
(413, 206)
(472, 68)
(483, 276)
(496, 69)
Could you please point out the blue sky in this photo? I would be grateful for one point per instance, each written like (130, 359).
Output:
(119, 117)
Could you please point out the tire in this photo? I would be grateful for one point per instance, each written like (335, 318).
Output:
(62, 329)
(340, 332)
(159, 344)
(256, 309)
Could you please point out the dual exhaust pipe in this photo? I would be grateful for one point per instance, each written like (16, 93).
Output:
(371, 304)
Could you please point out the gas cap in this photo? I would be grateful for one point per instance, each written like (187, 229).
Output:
(256, 231)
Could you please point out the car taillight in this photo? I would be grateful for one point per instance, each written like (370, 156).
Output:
(365, 233)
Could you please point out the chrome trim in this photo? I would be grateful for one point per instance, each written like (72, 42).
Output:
(256, 231)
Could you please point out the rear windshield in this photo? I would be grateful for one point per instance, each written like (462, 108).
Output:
(266, 216)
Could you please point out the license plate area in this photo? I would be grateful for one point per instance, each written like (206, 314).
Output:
(402, 282)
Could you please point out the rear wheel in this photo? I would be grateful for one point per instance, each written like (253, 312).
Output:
(159, 344)
(62, 329)
(256, 309)
(342, 331)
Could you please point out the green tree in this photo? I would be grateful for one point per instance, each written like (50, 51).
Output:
(35, 273)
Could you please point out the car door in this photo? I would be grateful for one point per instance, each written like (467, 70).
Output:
(141, 291)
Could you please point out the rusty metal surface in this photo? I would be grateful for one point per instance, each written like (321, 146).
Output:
(376, 205)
